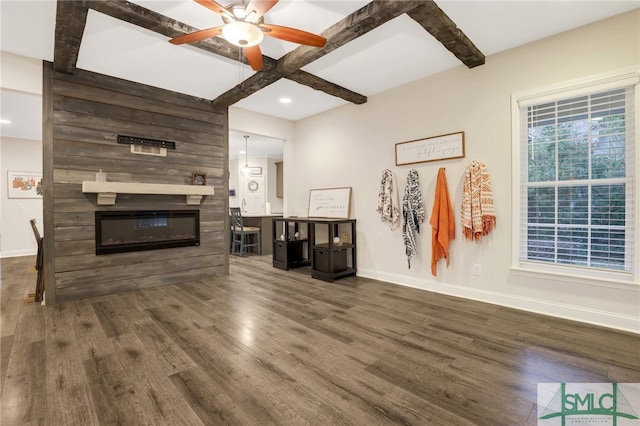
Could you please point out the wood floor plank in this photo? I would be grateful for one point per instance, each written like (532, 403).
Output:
(264, 346)
(452, 391)
(71, 406)
(114, 393)
(247, 396)
(91, 337)
(172, 358)
(208, 400)
(30, 327)
(358, 398)
(155, 393)
(63, 352)
(23, 395)
(6, 345)
(13, 292)
(311, 406)
(625, 355)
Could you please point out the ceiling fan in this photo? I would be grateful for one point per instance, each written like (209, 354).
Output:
(244, 27)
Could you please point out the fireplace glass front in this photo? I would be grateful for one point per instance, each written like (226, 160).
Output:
(126, 231)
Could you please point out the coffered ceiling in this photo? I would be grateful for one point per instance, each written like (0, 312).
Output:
(372, 46)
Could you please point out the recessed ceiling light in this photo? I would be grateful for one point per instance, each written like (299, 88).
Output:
(285, 100)
(5, 121)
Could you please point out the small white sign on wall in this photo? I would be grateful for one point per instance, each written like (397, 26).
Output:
(330, 202)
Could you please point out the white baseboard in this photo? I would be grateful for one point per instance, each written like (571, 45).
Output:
(18, 253)
(545, 307)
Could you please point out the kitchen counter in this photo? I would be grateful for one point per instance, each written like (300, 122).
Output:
(265, 223)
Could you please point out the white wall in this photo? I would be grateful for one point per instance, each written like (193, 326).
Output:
(20, 73)
(268, 172)
(16, 237)
(265, 125)
(351, 145)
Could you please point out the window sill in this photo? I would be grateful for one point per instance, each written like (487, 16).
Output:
(607, 282)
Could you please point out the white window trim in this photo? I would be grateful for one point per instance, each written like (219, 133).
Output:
(573, 88)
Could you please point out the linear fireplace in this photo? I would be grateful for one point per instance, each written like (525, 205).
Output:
(125, 231)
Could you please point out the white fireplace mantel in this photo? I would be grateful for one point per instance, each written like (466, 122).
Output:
(107, 191)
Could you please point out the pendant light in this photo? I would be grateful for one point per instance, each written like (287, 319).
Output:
(246, 169)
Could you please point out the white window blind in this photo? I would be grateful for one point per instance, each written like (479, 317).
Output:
(577, 195)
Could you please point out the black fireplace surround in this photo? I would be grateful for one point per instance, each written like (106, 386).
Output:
(127, 231)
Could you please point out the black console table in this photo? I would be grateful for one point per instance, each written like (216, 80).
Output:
(328, 245)
(290, 243)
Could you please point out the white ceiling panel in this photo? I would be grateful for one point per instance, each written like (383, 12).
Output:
(304, 101)
(396, 53)
(495, 26)
(123, 50)
(27, 28)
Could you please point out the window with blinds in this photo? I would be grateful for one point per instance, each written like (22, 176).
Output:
(577, 181)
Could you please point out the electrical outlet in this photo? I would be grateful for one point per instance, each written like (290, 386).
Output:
(477, 269)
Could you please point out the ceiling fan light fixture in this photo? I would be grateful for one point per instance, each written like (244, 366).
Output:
(242, 34)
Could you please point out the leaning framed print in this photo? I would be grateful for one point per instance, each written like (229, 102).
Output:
(330, 203)
(443, 147)
(24, 184)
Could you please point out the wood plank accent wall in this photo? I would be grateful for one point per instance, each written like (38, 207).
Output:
(86, 111)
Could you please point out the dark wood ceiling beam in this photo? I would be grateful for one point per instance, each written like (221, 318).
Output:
(440, 26)
(317, 83)
(71, 18)
(351, 27)
(153, 21)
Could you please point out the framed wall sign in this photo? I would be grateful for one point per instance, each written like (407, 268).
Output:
(434, 148)
(255, 171)
(199, 179)
(330, 203)
(24, 184)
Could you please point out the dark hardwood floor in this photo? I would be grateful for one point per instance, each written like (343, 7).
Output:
(265, 346)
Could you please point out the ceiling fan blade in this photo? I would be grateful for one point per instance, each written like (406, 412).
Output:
(197, 35)
(294, 35)
(260, 7)
(254, 56)
(212, 5)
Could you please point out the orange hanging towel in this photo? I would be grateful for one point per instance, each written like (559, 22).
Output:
(442, 222)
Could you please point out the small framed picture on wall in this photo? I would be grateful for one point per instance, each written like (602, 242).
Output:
(24, 184)
(199, 179)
